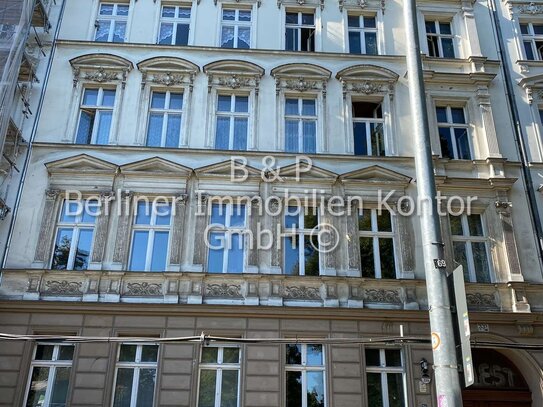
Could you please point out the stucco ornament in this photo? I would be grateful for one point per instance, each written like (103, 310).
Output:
(101, 75)
(386, 296)
(63, 287)
(143, 289)
(302, 293)
(223, 290)
(301, 85)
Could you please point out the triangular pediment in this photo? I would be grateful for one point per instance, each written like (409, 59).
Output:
(156, 166)
(224, 169)
(306, 171)
(376, 175)
(82, 163)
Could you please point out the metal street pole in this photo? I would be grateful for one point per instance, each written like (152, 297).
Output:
(447, 382)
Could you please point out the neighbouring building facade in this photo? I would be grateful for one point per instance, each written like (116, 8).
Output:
(217, 168)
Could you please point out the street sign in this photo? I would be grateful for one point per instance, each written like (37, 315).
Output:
(463, 324)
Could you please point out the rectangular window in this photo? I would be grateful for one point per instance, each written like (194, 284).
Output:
(440, 39)
(219, 376)
(95, 116)
(384, 375)
(305, 380)
(368, 130)
(165, 119)
(74, 237)
(232, 122)
(362, 34)
(301, 254)
(174, 25)
(301, 125)
(300, 31)
(470, 246)
(532, 38)
(111, 22)
(50, 375)
(135, 375)
(150, 236)
(236, 28)
(376, 235)
(227, 239)
(453, 132)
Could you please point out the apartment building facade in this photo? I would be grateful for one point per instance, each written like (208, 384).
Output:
(283, 128)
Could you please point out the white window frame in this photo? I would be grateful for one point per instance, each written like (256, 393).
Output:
(152, 228)
(376, 234)
(363, 30)
(232, 115)
(52, 365)
(137, 366)
(228, 232)
(368, 121)
(165, 112)
(302, 234)
(175, 21)
(531, 37)
(113, 19)
(300, 118)
(299, 26)
(451, 126)
(439, 36)
(219, 367)
(236, 24)
(384, 370)
(468, 239)
(304, 368)
(98, 108)
(76, 227)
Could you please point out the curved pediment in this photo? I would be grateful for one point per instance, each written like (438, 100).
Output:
(155, 166)
(82, 163)
(376, 175)
(304, 70)
(168, 64)
(230, 66)
(367, 72)
(101, 61)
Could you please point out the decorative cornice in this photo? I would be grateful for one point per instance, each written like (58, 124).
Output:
(319, 3)
(362, 4)
(144, 289)
(481, 300)
(223, 290)
(63, 287)
(301, 293)
(383, 296)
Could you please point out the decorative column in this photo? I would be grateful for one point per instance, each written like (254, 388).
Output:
(489, 129)
(253, 249)
(329, 239)
(202, 214)
(353, 243)
(45, 239)
(503, 209)
(406, 237)
(471, 29)
(178, 228)
(100, 232)
(123, 229)
(277, 243)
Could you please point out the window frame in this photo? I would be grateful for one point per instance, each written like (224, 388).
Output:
(113, 20)
(136, 366)
(363, 30)
(301, 118)
(439, 37)
(166, 112)
(452, 126)
(299, 26)
(301, 233)
(175, 21)
(218, 368)
(233, 115)
(53, 365)
(236, 24)
(384, 370)
(368, 121)
(98, 109)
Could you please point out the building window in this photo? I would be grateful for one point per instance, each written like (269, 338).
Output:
(135, 375)
(111, 22)
(300, 31)
(305, 382)
(532, 38)
(440, 39)
(232, 122)
(74, 238)
(368, 128)
(165, 115)
(150, 236)
(453, 132)
(376, 234)
(470, 246)
(236, 28)
(95, 116)
(50, 375)
(219, 377)
(362, 34)
(301, 254)
(300, 125)
(384, 375)
(226, 239)
(174, 25)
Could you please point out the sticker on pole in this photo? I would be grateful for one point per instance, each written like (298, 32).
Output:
(436, 340)
(442, 401)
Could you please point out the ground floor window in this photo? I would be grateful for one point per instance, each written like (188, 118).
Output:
(305, 375)
(385, 376)
(219, 376)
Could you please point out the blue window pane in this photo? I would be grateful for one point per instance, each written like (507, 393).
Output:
(176, 101)
(146, 388)
(90, 97)
(173, 131)
(154, 131)
(104, 126)
(182, 34)
(314, 355)
(310, 137)
(353, 21)
(291, 136)
(237, 219)
(441, 113)
(315, 388)
(240, 134)
(291, 107)
(160, 251)
(360, 139)
(242, 104)
(102, 30)
(446, 142)
(222, 135)
(528, 50)
(224, 103)
(82, 254)
(86, 124)
(245, 15)
(122, 10)
(430, 27)
(445, 28)
(168, 12)
(123, 387)
(475, 225)
(291, 18)
(291, 253)
(480, 260)
(61, 254)
(235, 254)
(227, 37)
(119, 31)
(291, 42)
(308, 107)
(229, 15)
(462, 144)
(448, 48)
(70, 210)
(218, 214)
(524, 28)
(244, 37)
(308, 19)
(163, 214)
(354, 42)
(91, 209)
(369, 22)
(158, 100)
(108, 98)
(106, 9)
(184, 12)
(139, 250)
(311, 255)
(143, 214)
(538, 29)
(60, 387)
(165, 35)
(371, 43)
(216, 253)
(292, 217)
(458, 115)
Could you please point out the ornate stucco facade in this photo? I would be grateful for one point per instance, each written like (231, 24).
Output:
(107, 295)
